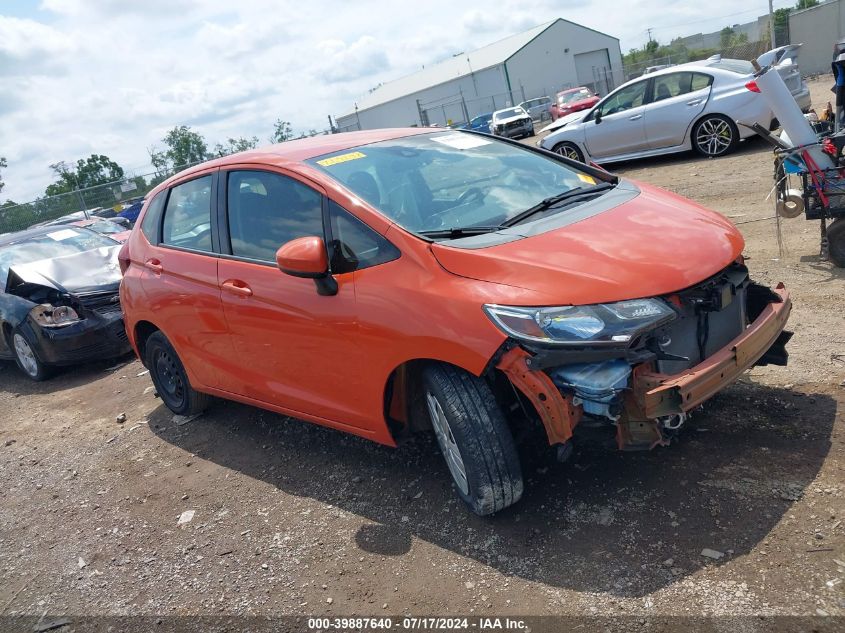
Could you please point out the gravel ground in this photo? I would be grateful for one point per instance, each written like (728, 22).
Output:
(242, 511)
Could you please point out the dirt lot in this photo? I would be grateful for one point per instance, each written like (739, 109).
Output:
(290, 518)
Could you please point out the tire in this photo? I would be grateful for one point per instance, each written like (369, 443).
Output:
(27, 358)
(836, 242)
(569, 150)
(169, 377)
(474, 438)
(714, 135)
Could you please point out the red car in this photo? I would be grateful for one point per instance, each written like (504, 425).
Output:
(391, 281)
(572, 100)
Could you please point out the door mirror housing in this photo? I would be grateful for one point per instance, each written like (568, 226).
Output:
(306, 257)
(597, 116)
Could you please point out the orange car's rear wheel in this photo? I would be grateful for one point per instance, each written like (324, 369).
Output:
(474, 438)
(169, 377)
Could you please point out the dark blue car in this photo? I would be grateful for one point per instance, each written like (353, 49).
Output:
(481, 123)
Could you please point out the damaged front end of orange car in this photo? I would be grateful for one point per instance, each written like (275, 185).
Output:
(697, 342)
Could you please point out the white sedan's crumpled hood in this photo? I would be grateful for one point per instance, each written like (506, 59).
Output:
(518, 117)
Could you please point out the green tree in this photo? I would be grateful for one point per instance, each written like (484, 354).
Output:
(805, 4)
(184, 147)
(281, 132)
(3, 164)
(159, 163)
(781, 26)
(726, 37)
(234, 145)
(97, 169)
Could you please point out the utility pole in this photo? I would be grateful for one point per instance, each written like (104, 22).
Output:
(649, 29)
(771, 26)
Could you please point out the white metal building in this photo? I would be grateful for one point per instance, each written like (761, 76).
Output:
(538, 62)
(818, 29)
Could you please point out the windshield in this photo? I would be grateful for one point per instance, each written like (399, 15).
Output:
(430, 182)
(571, 97)
(484, 118)
(62, 241)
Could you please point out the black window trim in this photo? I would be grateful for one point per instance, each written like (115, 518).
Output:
(215, 239)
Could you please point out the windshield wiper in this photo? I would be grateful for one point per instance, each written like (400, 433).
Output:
(458, 231)
(554, 201)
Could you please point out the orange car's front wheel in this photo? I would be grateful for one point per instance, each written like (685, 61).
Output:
(474, 438)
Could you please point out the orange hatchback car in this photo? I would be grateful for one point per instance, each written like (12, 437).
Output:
(389, 281)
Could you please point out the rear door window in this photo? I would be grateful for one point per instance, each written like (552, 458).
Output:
(267, 210)
(672, 85)
(187, 218)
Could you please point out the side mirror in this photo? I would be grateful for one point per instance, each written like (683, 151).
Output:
(598, 117)
(306, 257)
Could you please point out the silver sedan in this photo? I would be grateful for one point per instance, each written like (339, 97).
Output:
(691, 106)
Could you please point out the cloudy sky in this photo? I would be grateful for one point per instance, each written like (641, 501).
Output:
(112, 76)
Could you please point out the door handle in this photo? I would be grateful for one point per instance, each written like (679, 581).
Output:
(635, 117)
(236, 287)
(154, 265)
(694, 102)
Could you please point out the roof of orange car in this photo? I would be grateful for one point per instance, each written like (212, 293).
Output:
(305, 148)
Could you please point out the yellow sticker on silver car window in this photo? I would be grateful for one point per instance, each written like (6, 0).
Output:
(588, 179)
(334, 160)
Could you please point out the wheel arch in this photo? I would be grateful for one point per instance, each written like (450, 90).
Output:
(703, 116)
(405, 411)
(142, 332)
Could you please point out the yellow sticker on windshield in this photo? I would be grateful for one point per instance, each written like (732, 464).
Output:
(334, 160)
(588, 179)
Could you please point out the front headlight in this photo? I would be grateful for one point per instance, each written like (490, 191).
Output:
(47, 315)
(600, 324)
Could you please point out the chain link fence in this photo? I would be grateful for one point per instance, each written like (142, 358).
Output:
(746, 51)
(104, 200)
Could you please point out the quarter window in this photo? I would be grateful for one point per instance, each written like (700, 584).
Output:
(187, 218)
(355, 245)
(267, 210)
(701, 81)
(152, 218)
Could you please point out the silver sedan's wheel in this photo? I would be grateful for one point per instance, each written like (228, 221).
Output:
(569, 150)
(714, 135)
(451, 452)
